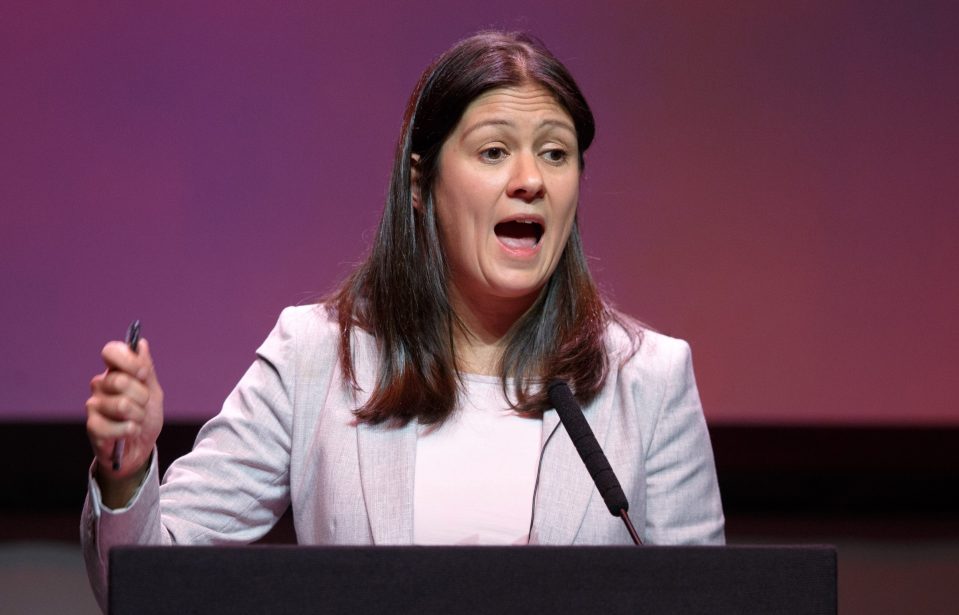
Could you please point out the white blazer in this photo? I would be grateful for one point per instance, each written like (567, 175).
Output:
(286, 436)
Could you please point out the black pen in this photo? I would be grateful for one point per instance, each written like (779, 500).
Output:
(133, 340)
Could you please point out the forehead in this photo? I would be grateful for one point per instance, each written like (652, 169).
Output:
(529, 102)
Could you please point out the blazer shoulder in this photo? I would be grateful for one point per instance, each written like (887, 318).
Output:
(310, 336)
(312, 321)
(301, 333)
(641, 351)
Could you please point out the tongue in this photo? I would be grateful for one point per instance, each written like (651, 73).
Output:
(518, 242)
(517, 234)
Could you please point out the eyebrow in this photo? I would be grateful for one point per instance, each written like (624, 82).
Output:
(509, 124)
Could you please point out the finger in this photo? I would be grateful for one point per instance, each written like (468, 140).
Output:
(116, 408)
(104, 433)
(96, 383)
(121, 383)
(118, 356)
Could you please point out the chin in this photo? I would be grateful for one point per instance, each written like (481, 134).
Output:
(516, 289)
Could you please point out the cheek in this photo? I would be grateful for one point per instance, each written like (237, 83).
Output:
(454, 229)
(449, 233)
(568, 209)
(461, 214)
(460, 231)
(444, 208)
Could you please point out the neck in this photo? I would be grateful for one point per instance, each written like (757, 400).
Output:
(480, 339)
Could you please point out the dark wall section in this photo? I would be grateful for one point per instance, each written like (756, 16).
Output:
(854, 481)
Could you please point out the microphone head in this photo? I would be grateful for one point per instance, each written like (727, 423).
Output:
(581, 434)
(559, 393)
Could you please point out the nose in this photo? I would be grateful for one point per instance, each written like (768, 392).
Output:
(526, 181)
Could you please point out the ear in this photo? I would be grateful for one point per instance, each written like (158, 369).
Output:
(415, 180)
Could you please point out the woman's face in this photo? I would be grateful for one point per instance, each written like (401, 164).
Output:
(506, 194)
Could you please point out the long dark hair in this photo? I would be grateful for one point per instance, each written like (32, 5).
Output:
(399, 294)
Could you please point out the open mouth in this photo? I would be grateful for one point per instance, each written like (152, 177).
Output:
(519, 233)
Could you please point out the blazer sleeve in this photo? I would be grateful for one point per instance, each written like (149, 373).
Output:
(231, 488)
(683, 505)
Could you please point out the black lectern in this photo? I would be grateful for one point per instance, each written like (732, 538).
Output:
(501, 580)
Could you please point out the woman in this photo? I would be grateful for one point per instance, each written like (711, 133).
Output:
(410, 407)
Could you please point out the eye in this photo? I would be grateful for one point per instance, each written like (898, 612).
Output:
(493, 154)
(556, 155)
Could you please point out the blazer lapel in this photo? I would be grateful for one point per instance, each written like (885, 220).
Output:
(564, 487)
(387, 458)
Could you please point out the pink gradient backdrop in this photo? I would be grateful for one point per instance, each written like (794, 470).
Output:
(775, 182)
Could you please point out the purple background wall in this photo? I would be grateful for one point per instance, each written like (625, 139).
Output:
(775, 182)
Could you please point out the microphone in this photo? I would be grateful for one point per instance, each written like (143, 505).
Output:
(571, 415)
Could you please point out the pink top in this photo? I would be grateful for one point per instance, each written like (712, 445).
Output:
(476, 474)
